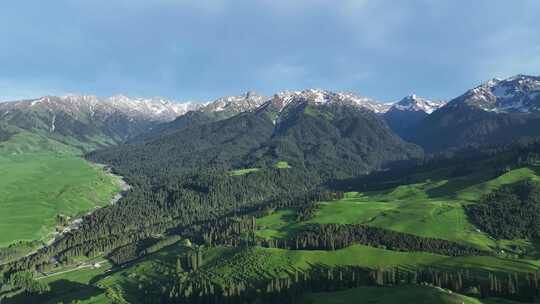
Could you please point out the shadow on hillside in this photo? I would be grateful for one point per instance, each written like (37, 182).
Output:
(534, 250)
(61, 290)
(453, 186)
(536, 169)
(457, 179)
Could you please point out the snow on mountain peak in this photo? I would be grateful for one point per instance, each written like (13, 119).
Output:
(235, 104)
(156, 106)
(416, 103)
(516, 94)
(158, 109)
(320, 97)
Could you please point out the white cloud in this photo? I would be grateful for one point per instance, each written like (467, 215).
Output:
(284, 71)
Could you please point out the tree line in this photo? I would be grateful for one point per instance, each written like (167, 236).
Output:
(240, 231)
(186, 286)
(510, 212)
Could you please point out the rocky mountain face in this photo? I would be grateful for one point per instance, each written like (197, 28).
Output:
(403, 116)
(89, 120)
(227, 107)
(332, 133)
(231, 105)
(414, 103)
(251, 101)
(321, 129)
(323, 97)
(498, 111)
(518, 94)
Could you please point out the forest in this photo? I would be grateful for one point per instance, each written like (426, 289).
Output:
(511, 212)
(210, 207)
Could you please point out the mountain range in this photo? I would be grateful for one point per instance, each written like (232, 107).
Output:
(311, 176)
(496, 111)
(88, 121)
(313, 129)
(409, 111)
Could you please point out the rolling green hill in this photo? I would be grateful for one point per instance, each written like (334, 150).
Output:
(35, 188)
(273, 206)
(40, 179)
(430, 204)
(433, 208)
(405, 295)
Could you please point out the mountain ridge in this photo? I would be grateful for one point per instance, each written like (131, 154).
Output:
(497, 111)
(405, 114)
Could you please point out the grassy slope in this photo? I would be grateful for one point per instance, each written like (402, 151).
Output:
(225, 264)
(247, 265)
(382, 295)
(40, 178)
(400, 294)
(430, 209)
(282, 165)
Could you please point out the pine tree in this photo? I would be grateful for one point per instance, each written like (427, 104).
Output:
(179, 268)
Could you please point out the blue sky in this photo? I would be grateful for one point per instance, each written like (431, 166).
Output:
(200, 50)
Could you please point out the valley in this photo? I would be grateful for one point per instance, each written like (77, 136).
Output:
(302, 197)
(412, 208)
(38, 187)
(263, 152)
(44, 186)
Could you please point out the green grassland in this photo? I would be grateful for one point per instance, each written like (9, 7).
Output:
(27, 142)
(35, 188)
(382, 295)
(391, 295)
(39, 141)
(282, 165)
(41, 178)
(225, 265)
(431, 204)
(428, 209)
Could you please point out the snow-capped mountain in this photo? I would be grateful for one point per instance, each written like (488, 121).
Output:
(518, 94)
(228, 106)
(311, 128)
(156, 109)
(251, 101)
(497, 111)
(323, 97)
(408, 112)
(416, 103)
(235, 104)
(91, 121)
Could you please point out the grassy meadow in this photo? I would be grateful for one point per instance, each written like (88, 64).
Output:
(431, 206)
(391, 295)
(35, 188)
(41, 178)
(225, 265)
(428, 209)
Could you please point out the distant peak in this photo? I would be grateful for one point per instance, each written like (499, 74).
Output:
(250, 94)
(236, 104)
(519, 93)
(416, 103)
(516, 78)
(323, 97)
